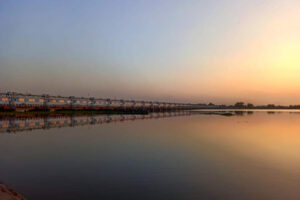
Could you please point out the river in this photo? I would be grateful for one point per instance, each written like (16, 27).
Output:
(250, 155)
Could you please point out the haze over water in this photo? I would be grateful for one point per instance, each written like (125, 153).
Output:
(249, 156)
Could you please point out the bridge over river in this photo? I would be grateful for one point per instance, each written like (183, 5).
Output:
(26, 102)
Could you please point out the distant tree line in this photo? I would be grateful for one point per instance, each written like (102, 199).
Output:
(242, 105)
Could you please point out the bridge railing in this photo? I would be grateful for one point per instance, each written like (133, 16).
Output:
(19, 101)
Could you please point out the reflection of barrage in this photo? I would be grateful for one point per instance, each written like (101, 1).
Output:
(17, 125)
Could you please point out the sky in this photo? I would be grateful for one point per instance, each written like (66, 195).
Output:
(195, 51)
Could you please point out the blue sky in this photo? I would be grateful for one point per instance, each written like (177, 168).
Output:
(162, 50)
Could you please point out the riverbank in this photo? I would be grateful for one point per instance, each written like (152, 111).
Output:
(7, 193)
(241, 112)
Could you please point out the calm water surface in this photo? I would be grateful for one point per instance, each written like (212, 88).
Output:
(253, 156)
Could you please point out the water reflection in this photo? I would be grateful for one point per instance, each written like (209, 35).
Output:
(12, 124)
(207, 155)
(29, 123)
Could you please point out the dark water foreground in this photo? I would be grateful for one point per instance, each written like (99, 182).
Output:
(249, 155)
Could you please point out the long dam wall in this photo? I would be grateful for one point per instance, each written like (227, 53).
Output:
(27, 102)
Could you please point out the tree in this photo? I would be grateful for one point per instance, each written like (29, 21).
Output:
(250, 105)
(239, 105)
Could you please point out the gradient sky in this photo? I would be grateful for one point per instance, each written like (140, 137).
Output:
(197, 51)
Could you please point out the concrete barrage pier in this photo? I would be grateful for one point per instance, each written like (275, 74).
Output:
(12, 101)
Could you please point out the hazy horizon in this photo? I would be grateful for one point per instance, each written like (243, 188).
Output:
(190, 51)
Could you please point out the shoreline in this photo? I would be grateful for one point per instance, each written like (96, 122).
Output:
(6, 193)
